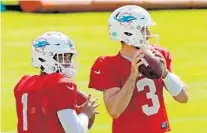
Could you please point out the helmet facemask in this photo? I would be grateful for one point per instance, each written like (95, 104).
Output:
(147, 37)
(66, 64)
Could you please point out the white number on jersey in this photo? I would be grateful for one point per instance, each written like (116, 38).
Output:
(149, 110)
(24, 111)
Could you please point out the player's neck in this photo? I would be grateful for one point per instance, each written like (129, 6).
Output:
(42, 73)
(127, 52)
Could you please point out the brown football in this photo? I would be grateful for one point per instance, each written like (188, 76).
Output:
(152, 67)
(91, 121)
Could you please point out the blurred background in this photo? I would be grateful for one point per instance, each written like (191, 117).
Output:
(181, 24)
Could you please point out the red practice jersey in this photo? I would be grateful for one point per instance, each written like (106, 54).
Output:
(146, 111)
(39, 97)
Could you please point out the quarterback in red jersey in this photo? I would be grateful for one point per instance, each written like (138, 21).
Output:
(50, 102)
(135, 103)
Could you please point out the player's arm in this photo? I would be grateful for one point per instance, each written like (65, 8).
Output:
(72, 122)
(63, 97)
(172, 82)
(81, 99)
(117, 99)
(176, 87)
(78, 123)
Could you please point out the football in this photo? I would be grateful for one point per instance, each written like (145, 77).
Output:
(91, 121)
(152, 67)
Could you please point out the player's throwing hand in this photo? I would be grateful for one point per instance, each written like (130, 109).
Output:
(137, 61)
(89, 107)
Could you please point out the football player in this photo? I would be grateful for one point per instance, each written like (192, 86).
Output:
(135, 103)
(50, 102)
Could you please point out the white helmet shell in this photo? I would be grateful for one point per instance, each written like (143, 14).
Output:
(126, 23)
(46, 46)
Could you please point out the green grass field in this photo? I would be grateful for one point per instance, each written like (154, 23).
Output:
(183, 32)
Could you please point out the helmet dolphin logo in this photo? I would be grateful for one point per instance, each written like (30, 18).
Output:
(125, 18)
(40, 43)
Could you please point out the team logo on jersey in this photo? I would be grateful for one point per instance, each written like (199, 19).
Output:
(164, 125)
(97, 72)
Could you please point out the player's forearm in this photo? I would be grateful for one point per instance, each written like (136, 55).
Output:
(73, 123)
(176, 87)
(83, 122)
(120, 100)
(183, 96)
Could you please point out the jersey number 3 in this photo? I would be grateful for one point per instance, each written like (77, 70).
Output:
(141, 84)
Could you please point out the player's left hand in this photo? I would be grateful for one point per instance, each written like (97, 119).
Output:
(162, 59)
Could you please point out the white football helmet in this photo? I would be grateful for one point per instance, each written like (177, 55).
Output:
(48, 46)
(127, 23)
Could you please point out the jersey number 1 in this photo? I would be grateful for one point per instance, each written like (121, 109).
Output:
(24, 111)
(145, 82)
